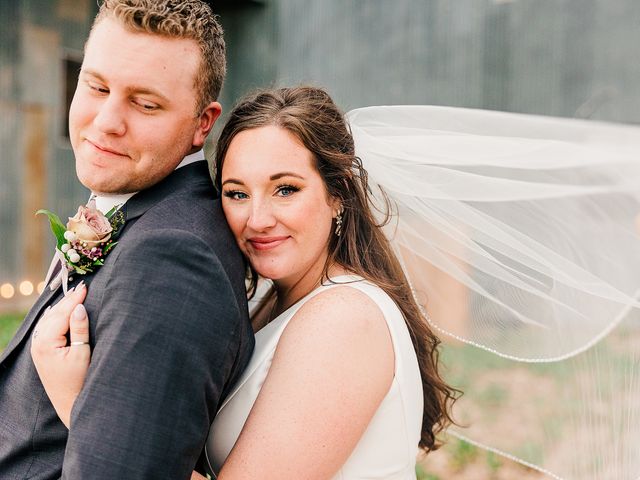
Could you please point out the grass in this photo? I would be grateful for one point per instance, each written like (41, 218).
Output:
(421, 474)
(8, 325)
(462, 454)
(493, 461)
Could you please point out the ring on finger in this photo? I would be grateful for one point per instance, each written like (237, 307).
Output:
(74, 344)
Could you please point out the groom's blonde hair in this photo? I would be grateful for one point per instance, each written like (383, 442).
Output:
(189, 19)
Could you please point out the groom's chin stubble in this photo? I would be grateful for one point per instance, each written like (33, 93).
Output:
(117, 181)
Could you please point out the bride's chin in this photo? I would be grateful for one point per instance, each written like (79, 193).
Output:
(269, 274)
(264, 268)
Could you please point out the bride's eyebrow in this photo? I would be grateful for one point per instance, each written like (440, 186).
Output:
(275, 176)
(285, 174)
(232, 180)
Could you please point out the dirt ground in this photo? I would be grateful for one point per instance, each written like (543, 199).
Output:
(460, 461)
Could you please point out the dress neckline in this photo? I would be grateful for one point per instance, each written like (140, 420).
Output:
(331, 280)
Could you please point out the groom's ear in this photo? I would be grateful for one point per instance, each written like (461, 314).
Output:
(206, 120)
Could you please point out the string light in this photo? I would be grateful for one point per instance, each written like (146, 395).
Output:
(7, 291)
(26, 288)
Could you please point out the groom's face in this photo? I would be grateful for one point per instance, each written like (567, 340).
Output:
(133, 117)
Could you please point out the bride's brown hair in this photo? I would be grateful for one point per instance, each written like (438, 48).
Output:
(310, 114)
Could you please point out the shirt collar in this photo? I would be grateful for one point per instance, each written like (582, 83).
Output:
(193, 157)
(105, 202)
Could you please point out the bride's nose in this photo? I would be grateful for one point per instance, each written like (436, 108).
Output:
(261, 216)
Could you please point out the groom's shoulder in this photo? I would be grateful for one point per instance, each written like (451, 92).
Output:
(200, 212)
(180, 230)
(197, 210)
(196, 214)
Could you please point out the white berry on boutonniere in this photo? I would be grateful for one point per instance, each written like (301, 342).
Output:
(88, 237)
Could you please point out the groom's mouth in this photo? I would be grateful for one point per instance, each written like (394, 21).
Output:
(104, 150)
(266, 243)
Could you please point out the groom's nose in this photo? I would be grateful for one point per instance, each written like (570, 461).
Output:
(109, 117)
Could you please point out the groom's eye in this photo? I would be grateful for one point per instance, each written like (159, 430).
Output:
(145, 105)
(96, 87)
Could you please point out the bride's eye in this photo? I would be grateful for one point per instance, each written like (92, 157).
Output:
(286, 190)
(235, 194)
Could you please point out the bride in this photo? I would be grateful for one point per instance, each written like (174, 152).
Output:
(344, 381)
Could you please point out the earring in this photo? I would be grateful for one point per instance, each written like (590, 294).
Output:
(338, 230)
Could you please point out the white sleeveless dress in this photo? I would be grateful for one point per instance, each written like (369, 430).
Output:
(389, 445)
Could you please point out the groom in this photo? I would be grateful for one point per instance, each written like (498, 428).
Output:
(168, 319)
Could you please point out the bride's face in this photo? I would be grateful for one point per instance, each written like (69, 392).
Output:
(276, 204)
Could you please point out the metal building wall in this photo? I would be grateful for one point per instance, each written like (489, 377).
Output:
(36, 163)
(552, 57)
(9, 122)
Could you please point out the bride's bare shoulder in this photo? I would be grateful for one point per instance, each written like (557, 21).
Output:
(341, 315)
(342, 300)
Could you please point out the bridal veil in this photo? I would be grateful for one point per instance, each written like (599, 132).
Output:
(521, 238)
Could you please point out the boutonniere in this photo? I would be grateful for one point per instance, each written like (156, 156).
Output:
(85, 241)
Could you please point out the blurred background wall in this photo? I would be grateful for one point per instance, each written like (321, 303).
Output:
(572, 58)
(41, 45)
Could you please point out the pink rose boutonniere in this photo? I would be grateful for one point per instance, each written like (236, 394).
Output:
(87, 238)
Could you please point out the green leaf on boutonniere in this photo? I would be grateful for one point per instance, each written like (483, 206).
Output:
(57, 227)
(109, 247)
(110, 213)
(117, 221)
(98, 263)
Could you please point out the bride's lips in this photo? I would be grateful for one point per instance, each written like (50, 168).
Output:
(266, 243)
(105, 150)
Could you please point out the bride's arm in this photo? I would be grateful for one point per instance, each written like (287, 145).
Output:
(331, 370)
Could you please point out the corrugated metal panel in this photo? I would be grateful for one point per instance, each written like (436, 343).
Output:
(9, 130)
(10, 194)
(36, 164)
(570, 58)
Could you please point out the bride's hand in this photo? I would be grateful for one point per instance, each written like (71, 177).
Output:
(62, 367)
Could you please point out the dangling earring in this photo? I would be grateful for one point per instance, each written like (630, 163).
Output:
(338, 223)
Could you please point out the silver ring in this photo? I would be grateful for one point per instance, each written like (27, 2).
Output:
(73, 344)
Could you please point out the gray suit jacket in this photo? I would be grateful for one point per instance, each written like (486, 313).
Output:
(169, 335)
